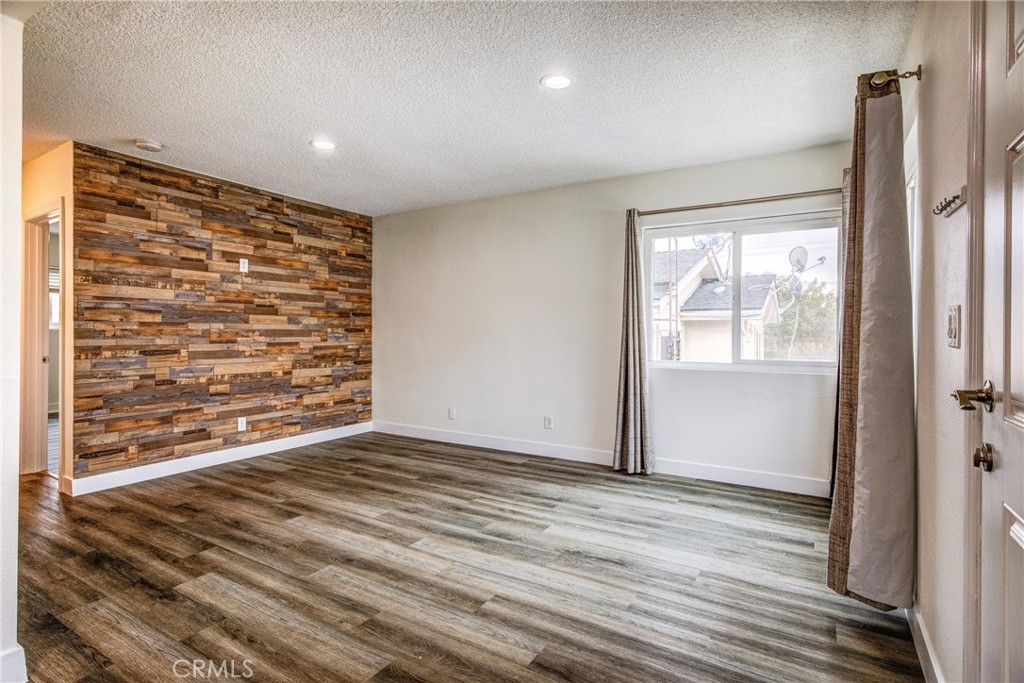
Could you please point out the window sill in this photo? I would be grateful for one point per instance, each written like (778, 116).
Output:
(787, 368)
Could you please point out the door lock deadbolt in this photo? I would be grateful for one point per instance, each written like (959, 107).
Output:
(983, 457)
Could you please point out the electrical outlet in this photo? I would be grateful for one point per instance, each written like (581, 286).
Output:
(241, 424)
(549, 422)
(451, 413)
(243, 265)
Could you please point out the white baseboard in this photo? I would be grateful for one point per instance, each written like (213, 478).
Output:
(729, 475)
(12, 666)
(541, 448)
(100, 482)
(923, 644)
(764, 480)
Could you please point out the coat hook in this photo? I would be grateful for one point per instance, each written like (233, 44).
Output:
(949, 205)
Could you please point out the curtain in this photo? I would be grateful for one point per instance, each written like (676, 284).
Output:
(872, 530)
(633, 452)
(843, 232)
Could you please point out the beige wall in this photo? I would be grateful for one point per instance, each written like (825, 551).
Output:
(46, 180)
(509, 309)
(940, 42)
(707, 341)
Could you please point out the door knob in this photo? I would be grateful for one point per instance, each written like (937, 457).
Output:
(983, 457)
(984, 396)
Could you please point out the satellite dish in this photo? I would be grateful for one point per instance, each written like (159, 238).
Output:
(798, 259)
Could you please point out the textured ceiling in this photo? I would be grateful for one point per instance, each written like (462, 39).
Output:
(434, 103)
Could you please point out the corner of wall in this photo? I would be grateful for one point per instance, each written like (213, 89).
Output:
(940, 104)
(923, 644)
(12, 657)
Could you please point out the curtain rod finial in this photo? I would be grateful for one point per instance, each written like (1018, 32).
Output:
(880, 78)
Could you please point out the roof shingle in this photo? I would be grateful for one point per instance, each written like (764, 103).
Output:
(716, 295)
(685, 260)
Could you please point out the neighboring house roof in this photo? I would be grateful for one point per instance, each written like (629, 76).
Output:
(685, 260)
(716, 295)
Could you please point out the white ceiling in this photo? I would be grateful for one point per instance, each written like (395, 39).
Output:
(434, 103)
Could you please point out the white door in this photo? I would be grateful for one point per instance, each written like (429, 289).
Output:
(34, 347)
(1002, 348)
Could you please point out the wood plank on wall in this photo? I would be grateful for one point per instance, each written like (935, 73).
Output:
(173, 344)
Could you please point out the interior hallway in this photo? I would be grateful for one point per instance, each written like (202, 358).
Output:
(52, 445)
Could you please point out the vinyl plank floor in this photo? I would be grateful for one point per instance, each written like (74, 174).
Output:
(383, 558)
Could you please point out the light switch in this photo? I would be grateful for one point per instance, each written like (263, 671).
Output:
(953, 327)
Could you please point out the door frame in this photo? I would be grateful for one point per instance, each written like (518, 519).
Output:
(973, 340)
(34, 389)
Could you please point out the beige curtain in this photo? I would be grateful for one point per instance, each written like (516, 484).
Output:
(872, 531)
(633, 452)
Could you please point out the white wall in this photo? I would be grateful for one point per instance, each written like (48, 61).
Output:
(12, 658)
(53, 338)
(52, 373)
(766, 429)
(940, 42)
(509, 309)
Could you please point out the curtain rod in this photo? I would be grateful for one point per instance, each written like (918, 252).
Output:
(741, 202)
(882, 79)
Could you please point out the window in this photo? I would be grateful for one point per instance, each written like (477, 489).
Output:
(760, 290)
(54, 298)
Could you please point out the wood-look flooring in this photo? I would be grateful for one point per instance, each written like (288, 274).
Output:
(380, 558)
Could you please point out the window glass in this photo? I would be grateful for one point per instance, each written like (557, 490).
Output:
(789, 303)
(691, 298)
(786, 291)
(54, 310)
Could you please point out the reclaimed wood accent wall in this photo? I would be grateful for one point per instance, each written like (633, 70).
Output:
(173, 343)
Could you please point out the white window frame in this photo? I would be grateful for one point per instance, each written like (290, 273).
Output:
(740, 227)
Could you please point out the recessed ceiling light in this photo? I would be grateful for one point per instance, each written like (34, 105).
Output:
(556, 81)
(148, 145)
(321, 143)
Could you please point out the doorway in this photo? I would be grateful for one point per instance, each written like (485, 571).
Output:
(42, 344)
